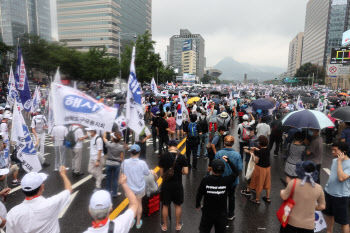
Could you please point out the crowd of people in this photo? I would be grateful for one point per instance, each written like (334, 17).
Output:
(207, 124)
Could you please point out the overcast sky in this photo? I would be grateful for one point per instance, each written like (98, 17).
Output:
(253, 31)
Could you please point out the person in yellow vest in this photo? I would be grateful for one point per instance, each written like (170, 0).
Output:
(140, 139)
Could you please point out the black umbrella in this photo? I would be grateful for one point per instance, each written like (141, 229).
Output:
(309, 100)
(120, 101)
(342, 113)
(173, 92)
(215, 92)
(262, 104)
(193, 94)
(333, 99)
(216, 100)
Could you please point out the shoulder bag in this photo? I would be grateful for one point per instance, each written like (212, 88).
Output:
(170, 173)
(286, 207)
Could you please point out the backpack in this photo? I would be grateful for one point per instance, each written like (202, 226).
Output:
(105, 150)
(192, 129)
(245, 133)
(69, 140)
(204, 125)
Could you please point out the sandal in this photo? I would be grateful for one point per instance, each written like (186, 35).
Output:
(139, 226)
(164, 228)
(246, 192)
(268, 200)
(179, 229)
(255, 201)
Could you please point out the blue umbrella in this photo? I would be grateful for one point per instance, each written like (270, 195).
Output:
(307, 119)
(262, 104)
(216, 100)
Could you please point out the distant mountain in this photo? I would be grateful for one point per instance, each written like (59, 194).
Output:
(234, 70)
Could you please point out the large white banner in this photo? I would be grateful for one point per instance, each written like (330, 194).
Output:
(72, 106)
(25, 147)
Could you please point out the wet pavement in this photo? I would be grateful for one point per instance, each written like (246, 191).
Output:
(250, 218)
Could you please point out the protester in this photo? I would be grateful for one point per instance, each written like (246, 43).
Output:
(172, 125)
(204, 137)
(115, 157)
(236, 159)
(140, 139)
(314, 151)
(58, 134)
(296, 151)
(163, 129)
(308, 197)
(154, 122)
(215, 189)
(77, 149)
(136, 170)
(243, 133)
(337, 190)
(172, 189)
(37, 214)
(193, 132)
(262, 128)
(39, 124)
(261, 178)
(101, 206)
(97, 158)
(212, 118)
(276, 134)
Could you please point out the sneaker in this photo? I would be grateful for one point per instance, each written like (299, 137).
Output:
(119, 193)
(156, 151)
(56, 169)
(275, 155)
(231, 217)
(205, 157)
(16, 182)
(67, 168)
(78, 173)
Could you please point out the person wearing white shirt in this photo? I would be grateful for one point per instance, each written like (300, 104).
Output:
(77, 150)
(39, 124)
(262, 128)
(97, 159)
(37, 214)
(59, 132)
(101, 206)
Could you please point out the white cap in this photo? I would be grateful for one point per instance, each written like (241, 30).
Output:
(7, 116)
(100, 200)
(32, 181)
(2, 108)
(245, 117)
(89, 129)
(4, 171)
(38, 110)
(7, 106)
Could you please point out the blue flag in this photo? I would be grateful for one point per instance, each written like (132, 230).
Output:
(22, 82)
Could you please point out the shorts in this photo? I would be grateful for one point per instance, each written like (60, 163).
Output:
(172, 192)
(338, 208)
(140, 195)
(181, 127)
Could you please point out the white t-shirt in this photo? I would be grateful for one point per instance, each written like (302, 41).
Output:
(96, 144)
(39, 215)
(38, 123)
(4, 130)
(77, 134)
(59, 132)
(122, 224)
(263, 129)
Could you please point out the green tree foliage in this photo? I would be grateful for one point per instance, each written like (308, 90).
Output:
(207, 78)
(148, 63)
(45, 56)
(4, 51)
(307, 70)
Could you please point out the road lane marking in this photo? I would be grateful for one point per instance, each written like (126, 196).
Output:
(82, 181)
(64, 210)
(327, 171)
(125, 203)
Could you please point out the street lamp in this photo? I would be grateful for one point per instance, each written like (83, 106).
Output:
(124, 34)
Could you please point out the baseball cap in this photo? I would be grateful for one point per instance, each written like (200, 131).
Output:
(135, 147)
(332, 109)
(7, 116)
(100, 200)
(1, 108)
(32, 181)
(4, 171)
(38, 110)
(218, 166)
(7, 106)
(245, 117)
(90, 129)
(172, 143)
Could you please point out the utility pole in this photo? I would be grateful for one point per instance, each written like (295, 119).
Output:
(313, 76)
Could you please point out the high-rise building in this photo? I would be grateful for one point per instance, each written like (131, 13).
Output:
(97, 23)
(189, 57)
(175, 51)
(315, 31)
(18, 17)
(295, 53)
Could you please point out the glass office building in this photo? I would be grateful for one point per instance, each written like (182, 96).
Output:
(84, 24)
(18, 17)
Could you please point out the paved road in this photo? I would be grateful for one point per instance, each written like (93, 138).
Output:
(250, 218)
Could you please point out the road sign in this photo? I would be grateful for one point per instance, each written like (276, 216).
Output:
(337, 69)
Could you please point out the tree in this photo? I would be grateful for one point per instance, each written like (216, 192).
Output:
(4, 51)
(308, 70)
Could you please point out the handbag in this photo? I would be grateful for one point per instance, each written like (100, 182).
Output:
(250, 168)
(286, 207)
(170, 172)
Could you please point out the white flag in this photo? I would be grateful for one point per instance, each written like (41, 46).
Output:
(26, 152)
(320, 223)
(300, 105)
(51, 119)
(57, 78)
(134, 112)
(36, 100)
(72, 106)
(75, 84)
(154, 87)
(121, 122)
(320, 105)
(12, 94)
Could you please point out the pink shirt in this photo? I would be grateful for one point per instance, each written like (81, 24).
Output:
(171, 123)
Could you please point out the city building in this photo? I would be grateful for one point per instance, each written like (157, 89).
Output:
(175, 51)
(340, 82)
(189, 57)
(19, 17)
(213, 72)
(98, 23)
(295, 53)
(315, 32)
